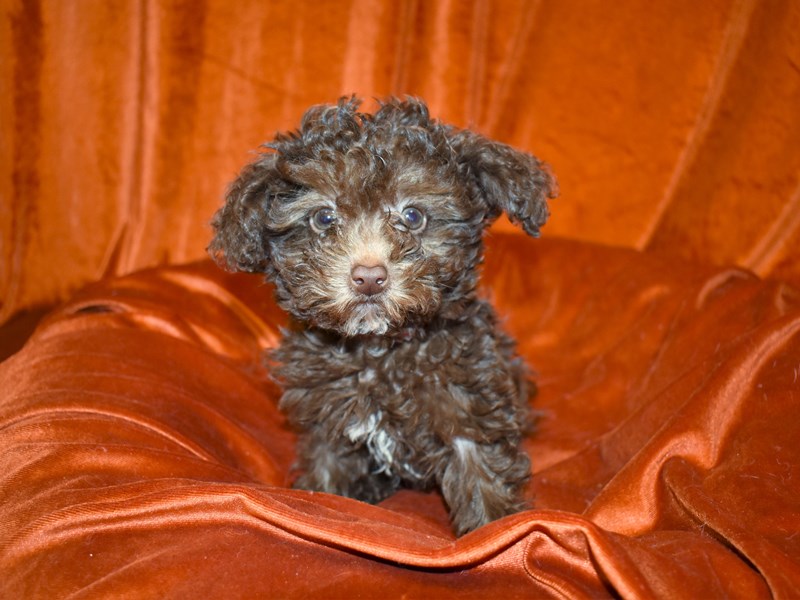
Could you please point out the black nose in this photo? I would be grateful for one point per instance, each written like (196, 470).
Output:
(369, 280)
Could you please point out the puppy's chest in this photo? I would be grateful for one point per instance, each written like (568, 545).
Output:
(402, 392)
(398, 416)
(399, 401)
(405, 402)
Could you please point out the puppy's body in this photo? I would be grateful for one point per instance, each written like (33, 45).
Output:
(395, 373)
(444, 408)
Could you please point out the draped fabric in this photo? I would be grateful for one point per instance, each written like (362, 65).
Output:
(141, 450)
(142, 454)
(672, 126)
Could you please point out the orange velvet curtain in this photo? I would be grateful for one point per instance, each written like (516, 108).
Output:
(673, 126)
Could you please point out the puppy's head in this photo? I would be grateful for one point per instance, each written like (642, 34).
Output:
(372, 223)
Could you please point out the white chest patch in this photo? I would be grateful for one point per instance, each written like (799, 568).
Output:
(380, 444)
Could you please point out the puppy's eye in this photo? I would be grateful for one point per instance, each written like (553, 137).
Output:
(414, 218)
(323, 218)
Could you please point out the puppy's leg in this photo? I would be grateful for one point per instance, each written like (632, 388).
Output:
(339, 469)
(483, 482)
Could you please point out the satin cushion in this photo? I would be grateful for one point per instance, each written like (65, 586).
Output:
(142, 453)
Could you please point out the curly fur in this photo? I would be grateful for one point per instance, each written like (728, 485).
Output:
(413, 385)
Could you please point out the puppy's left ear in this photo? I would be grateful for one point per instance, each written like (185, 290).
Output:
(505, 179)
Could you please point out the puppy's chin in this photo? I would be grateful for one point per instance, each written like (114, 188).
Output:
(387, 314)
(361, 319)
(366, 319)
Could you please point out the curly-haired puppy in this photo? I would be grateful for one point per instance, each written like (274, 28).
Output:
(395, 373)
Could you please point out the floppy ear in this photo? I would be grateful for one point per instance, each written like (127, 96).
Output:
(505, 179)
(240, 226)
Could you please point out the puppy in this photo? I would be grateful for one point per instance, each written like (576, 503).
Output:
(394, 371)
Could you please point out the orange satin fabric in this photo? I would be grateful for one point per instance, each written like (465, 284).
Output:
(672, 126)
(142, 453)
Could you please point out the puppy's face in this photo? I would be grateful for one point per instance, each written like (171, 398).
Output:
(375, 240)
(371, 224)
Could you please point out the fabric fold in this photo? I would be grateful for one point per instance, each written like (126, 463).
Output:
(142, 452)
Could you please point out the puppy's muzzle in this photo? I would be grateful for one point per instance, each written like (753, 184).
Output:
(369, 281)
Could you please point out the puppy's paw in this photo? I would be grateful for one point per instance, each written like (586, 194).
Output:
(484, 482)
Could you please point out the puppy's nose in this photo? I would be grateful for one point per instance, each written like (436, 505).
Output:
(369, 280)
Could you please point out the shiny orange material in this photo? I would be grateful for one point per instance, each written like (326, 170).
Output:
(141, 451)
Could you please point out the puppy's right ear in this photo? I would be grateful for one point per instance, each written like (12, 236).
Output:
(241, 225)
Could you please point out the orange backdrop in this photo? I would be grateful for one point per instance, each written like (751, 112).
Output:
(673, 126)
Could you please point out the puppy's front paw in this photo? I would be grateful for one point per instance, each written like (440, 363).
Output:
(336, 468)
(483, 482)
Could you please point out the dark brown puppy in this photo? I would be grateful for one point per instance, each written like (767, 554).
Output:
(370, 226)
